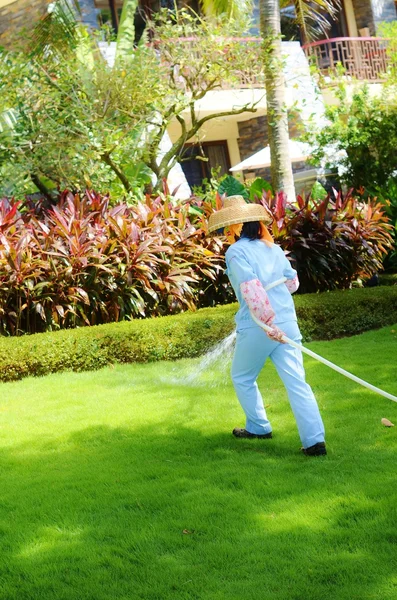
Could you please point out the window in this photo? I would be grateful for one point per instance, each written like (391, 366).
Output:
(196, 169)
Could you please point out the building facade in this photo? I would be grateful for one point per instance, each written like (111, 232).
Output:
(351, 42)
(15, 15)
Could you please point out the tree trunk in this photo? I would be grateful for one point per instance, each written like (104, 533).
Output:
(126, 32)
(41, 187)
(277, 114)
(114, 15)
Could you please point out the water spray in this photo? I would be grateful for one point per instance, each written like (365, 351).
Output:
(326, 362)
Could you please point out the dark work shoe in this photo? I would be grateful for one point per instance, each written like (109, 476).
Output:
(243, 433)
(318, 449)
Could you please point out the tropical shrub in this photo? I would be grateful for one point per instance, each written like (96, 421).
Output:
(333, 241)
(388, 196)
(83, 263)
(321, 316)
(362, 130)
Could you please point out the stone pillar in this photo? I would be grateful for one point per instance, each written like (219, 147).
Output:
(364, 15)
(350, 18)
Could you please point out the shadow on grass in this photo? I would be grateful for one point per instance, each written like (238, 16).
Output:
(171, 513)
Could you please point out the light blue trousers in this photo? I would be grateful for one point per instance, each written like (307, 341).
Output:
(253, 347)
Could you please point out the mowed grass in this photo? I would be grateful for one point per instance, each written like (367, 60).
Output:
(127, 484)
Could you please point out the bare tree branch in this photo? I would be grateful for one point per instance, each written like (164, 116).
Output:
(106, 159)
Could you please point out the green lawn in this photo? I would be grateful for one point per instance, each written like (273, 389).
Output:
(126, 484)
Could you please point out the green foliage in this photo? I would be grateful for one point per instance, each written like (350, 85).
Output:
(388, 196)
(81, 123)
(388, 279)
(84, 263)
(257, 187)
(364, 129)
(389, 31)
(336, 314)
(240, 9)
(318, 192)
(230, 186)
(321, 316)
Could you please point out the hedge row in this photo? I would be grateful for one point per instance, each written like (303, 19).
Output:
(388, 279)
(321, 317)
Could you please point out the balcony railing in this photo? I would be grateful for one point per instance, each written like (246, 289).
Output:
(361, 58)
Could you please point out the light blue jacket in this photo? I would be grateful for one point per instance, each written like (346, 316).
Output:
(253, 259)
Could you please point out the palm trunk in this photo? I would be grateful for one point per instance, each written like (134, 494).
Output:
(126, 33)
(277, 114)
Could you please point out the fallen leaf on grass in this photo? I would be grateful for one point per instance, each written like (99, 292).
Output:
(387, 423)
(187, 532)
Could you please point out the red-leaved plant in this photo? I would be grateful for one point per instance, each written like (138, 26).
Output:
(83, 262)
(331, 242)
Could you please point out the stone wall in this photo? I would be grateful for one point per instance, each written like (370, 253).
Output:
(364, 15)
(17, 15)
(253, 136)
(370, 13)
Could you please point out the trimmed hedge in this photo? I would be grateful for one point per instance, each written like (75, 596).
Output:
(321, 316)
(143, 340)
(388, 279)
(348, 312)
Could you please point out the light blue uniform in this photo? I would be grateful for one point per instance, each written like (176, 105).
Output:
(247, 260)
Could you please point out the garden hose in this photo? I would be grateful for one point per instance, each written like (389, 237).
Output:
(287, 340)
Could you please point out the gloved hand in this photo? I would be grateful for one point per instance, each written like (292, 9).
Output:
(276, 334)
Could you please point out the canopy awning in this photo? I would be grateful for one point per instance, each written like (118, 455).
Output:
(298, 151)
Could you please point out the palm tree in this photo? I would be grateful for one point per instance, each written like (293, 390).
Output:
(126, 29)
(277, 114)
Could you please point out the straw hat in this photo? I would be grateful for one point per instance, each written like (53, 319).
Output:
(237, 210)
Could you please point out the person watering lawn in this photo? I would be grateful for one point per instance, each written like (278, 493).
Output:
(254, 262)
